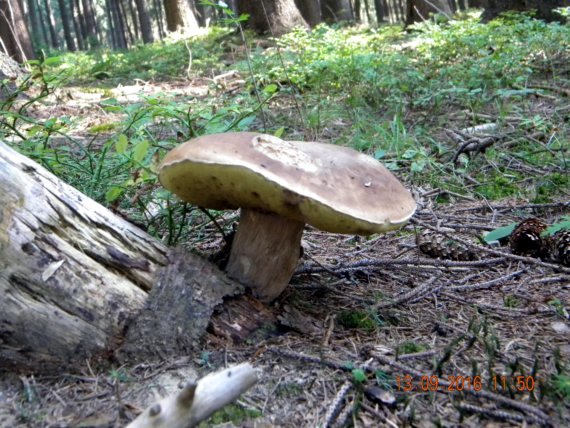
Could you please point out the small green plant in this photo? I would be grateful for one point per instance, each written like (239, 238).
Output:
(232, 413)
(561, 385)
(358, 376)
(510, 301)
(356, 320)
(410, 348)
(119, 375)
(559, 307)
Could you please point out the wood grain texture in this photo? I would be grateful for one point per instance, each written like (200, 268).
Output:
(198, 401)
(72, 274)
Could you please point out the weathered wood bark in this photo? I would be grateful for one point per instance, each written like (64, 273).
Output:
(14, 33)
(272, 16)
(72, 274)
(311, 11)
(178, 309)
(74, 277)
(198, 401)
(180, 16)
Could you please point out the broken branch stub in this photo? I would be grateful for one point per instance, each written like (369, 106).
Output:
(198, 401)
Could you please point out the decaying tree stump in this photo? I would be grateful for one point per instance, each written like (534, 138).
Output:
(74, 277)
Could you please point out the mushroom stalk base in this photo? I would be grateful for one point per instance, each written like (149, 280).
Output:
(265, 253)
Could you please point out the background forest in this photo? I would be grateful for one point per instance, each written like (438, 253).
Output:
(466, 102)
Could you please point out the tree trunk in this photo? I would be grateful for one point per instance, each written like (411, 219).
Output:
(42, 22)
(81, 19)
(65, 21)
(179, 16)
(336, 10)
(356, 11)
(367, 11)
(311, 11)
(51, 25)
(116, 26)
(379, 11)
(271, 16)
(545, 8)
(14, 32)
(134, 20)
(124, 20)
(419, 10)
(90, 23)
(111, 34)
(36, 33)
(203, 14)
(159, 18)
(75, 16)
(75, 279)
(144, 20)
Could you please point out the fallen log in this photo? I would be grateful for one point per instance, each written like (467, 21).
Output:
(74, 277)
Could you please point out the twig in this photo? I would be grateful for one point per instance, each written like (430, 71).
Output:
(494, 308)
(414, 263)
(379, 415)
(470, 143)
(498, 414)
(421, 291)
(489, 207)
(486, 284)
(336, 405)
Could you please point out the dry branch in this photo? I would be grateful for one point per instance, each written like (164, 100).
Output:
(198, 401)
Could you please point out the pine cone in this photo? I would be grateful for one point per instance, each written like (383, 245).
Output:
(436, 245)
(560, 247)
(525, 240)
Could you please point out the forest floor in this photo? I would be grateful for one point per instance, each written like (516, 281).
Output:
(371, 331)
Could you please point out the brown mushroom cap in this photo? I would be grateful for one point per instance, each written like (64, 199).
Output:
(333, 188)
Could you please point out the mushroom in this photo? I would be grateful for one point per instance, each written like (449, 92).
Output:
(280, 186)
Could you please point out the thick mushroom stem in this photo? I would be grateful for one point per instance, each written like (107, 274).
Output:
(265, 252)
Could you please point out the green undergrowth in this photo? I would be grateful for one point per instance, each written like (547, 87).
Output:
(232, 413)
(168, 59)
(390, 93)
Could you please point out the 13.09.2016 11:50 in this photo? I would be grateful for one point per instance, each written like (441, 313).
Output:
(408, 383)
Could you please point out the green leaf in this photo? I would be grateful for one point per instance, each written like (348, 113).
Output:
(419, 165)
(379, 154)
(271, 89)
(499, 233)
(358, 375)
(121, 144)
(54, 60)
(564, 224)
(140, 151)
(409, 154)
(279, 132)
(113, 193)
